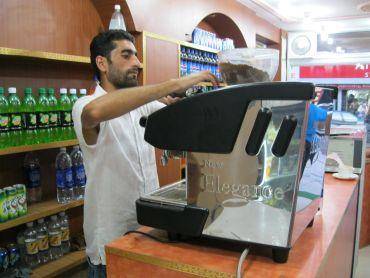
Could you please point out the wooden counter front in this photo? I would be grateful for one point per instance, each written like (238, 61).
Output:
(325, 250)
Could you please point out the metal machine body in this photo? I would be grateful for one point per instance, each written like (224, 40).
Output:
(260, 180)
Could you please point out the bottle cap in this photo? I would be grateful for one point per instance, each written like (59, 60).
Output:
(82, 91)
(28, 90)
(63, 91)
(72, 91)
(29, 224)
(117, 7)
(12, 90)
(40, 221)
(64, 149)
(42, 91)
(50, 90)
(62, 213)
(1, 90)
(53, 217)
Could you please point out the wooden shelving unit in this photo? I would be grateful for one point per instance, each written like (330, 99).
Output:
(57, 267)
(40, 210)
(44, 55)
(36, 147)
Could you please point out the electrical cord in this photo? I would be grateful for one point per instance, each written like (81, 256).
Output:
(151, 236)
(241, 261)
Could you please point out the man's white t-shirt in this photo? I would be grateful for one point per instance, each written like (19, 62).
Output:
(119, 167)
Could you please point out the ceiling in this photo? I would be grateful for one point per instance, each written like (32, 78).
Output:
(347, 22)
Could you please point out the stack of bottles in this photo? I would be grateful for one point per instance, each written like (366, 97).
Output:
(13, 202)
(193, 60)
(209, 39)
(36, 120)
(70, 175)
(42, 241)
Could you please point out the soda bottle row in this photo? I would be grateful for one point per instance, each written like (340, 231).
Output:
(32, 121)
(209, 39)
(45, 241)
(70, 175)
(12, 202)
(193, 60)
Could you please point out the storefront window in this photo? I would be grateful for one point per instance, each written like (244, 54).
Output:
(357, 103)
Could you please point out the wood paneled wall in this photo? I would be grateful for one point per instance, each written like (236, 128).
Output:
(62, 26)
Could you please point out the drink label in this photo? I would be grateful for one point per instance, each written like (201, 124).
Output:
(53, 119)
(79, 175)
(65, 118)
(30, 120)
(15, 121)
(65, 234)
(4, 122)
(64, 178)
(55, 239)
(33, 176)
(3, 207)
(12, 207)
(31, 247)
(43, 120)
(69, 177)
(60, 178)
(43, 242)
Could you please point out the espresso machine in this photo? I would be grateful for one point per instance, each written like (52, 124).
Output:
(255, 160)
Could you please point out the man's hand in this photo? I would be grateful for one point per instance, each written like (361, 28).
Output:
(186, 82)
(169, 100)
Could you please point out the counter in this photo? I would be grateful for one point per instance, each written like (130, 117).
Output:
(324, 250)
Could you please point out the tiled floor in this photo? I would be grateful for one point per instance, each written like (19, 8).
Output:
(363, 265)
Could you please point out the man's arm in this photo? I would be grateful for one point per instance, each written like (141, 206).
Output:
(118, 103)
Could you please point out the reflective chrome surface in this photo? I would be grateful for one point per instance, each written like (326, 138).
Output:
(250, 198)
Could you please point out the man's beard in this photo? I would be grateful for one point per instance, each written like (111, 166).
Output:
(120, 79)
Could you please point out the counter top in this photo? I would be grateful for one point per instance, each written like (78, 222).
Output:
(320, 249)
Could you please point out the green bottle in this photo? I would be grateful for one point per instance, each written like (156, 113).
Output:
(64, 107)
(15, 116)
(29, 118)
(54, 118)
(4, 120)
(42, 109)
(73, 98)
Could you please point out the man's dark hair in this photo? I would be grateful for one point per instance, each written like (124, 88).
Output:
(104, 43)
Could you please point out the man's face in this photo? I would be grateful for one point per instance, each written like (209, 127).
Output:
(123, 65)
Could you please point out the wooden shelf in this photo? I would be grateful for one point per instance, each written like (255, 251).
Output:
(44, 55)
(57, 267)
(40, 210)
(28, 148)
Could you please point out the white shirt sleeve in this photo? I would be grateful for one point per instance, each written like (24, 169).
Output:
(155, 105)
(77, 121)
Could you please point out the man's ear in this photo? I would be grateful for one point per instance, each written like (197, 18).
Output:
(101, 63)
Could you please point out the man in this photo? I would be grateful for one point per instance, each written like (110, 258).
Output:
(119, 163)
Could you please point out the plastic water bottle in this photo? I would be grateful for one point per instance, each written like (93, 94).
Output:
(117, 21)
(22, 246)
(29, 117)
(55, 238)
(64, 177)
(64, 108)
(82, 92)
(31, 242)
(4, 120)
(15, 121)
(64, 226)
(42, 109)
(31, 166)
(54, 119)
(79, 176)
(43, 239)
